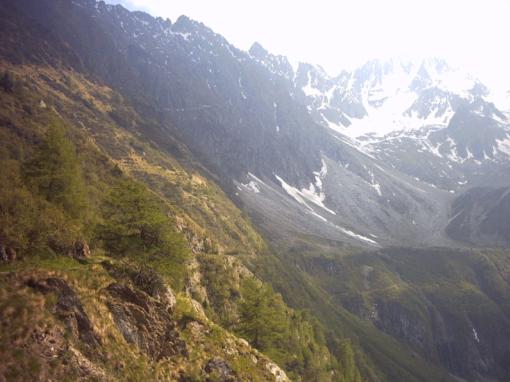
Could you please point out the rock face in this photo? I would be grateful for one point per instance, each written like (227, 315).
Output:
(145, 322)
(68, 309)
(480, 216)
(150, 282)
(48, 333)
(277, 372)
(449, 305)
(220, 370)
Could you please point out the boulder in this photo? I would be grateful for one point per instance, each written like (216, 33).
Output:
(277, 372)
(7, 254)
(80, 250)
(11, 254)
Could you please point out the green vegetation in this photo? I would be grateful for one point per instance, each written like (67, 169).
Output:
(263, 319)
(28, 222)
(54, 172)
(293, 339)
(135, 225)
(75, 176)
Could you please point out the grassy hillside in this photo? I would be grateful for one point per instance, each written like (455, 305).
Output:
(82, 173)
(79, 177)
(449, 307)
(380, 356)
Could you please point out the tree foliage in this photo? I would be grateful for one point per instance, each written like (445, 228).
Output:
(27, 221)
(349, 371)
(262, 315)
(135, 224)
(294, 339)
(54, 172)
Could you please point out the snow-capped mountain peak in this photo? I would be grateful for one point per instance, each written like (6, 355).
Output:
(382, 97)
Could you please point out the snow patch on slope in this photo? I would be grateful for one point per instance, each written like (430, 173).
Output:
(313, 194)
(356, 236)
(309, 90)
(504, 146)
(254, 184)
(475, 335)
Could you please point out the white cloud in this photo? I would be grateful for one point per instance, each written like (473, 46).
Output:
(343, 34)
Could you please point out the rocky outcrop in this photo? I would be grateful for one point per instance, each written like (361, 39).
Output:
(7, 254)
(145, 322)
(68, 308)
(146, 280)
(277, 372)
(219, 369)
(51, 334)
(151, 283)
(80, 250)
(198, 243)
(393, 318)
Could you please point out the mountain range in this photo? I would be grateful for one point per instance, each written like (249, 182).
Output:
(382, 193)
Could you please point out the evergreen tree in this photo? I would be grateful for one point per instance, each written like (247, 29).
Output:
(135, 224)
(263, 320)
(29, 223)
(16, 207)
(54, 172)
(349, 371)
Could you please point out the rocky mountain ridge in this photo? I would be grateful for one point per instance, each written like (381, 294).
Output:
(245, 113)
(176, 108)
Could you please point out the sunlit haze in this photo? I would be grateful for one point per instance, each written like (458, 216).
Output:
(343, 34)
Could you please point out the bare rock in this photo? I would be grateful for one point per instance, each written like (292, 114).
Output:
(277, 372)
(85, 368)
(68, 308)
(48, 343)
(7, 254)
(151, 283)
(80, 250)
(197, 330)
(220, 370)
(3, 253)
(144, 322)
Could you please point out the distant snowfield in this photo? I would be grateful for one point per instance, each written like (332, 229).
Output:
(390, 97)
(316, 196)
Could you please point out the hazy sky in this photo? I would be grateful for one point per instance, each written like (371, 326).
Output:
(342, 34)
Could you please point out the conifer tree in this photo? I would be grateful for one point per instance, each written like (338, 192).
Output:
(135, 224)
(263, 320)
(54, 172)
